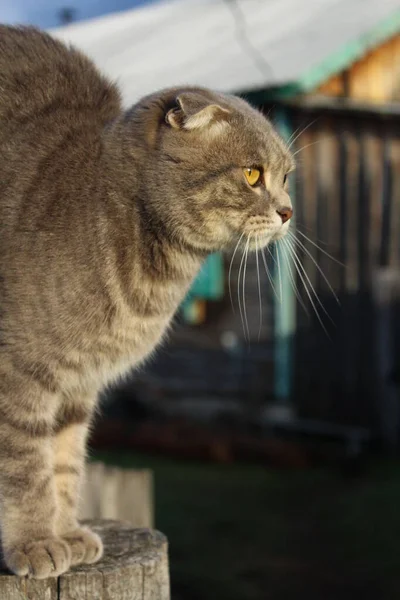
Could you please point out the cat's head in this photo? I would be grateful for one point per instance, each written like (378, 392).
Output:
(218, 169)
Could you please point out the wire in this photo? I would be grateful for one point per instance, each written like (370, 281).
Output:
(244, 41)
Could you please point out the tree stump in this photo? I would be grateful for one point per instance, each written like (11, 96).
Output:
(134, 567)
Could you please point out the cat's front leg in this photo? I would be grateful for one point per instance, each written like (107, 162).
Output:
(69, 450)
(27, 486)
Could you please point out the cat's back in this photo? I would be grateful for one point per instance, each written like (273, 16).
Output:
(40, 75)
(54, 104)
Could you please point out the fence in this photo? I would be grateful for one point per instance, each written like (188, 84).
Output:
(348, 200)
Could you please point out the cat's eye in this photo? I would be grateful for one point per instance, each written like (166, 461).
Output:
(284, 178)
(253, 176)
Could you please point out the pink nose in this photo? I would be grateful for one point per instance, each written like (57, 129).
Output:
(285, 214)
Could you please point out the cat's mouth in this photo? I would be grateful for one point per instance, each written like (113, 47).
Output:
(255, 241)
(282, 231)
(260, 239)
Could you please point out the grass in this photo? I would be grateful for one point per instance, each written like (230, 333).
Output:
(242, 532)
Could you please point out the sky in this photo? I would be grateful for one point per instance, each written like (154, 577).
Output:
(44, 13)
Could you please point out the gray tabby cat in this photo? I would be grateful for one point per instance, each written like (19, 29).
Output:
(105, 219)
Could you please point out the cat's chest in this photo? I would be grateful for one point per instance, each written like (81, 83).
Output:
(115, 350)
(124, 338)
(134, 337)
(128, 342)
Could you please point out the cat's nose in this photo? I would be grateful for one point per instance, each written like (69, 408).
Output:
(285, 213)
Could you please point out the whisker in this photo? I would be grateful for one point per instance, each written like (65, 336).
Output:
(303, 247)
(298, 261)
(304, 147)
(269, 110)
(271, 255)
(290, 138)
(297, 225)
(268, 271)
(293, 281)
(279, 272)
(321, 249)
(238, 294)
(311, 299)
(302, 131)
(230, 270)
(294, 223)
(244, 289)
(259, 290)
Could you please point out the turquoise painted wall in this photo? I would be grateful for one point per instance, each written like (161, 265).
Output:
(284, 310)
(208, 285)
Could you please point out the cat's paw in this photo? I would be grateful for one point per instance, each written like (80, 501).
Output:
(39, 559)
(86, 546)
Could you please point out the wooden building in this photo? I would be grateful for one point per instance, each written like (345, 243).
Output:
(328, 73)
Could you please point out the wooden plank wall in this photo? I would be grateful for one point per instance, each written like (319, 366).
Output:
(348, 201)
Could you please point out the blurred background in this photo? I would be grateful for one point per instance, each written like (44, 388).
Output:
(264, 437)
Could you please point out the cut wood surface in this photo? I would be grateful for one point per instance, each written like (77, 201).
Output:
(114, 493)
(134, 567)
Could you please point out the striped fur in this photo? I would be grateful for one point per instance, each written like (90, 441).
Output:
(105, 219)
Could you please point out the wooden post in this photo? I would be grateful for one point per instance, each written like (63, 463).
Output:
(122, 494)
(134, 567)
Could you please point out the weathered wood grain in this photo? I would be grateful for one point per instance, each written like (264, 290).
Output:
(122, 494)
(134, 567)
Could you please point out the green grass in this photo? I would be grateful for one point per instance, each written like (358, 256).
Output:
(241, 532)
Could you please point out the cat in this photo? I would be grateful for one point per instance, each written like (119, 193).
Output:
(106, 216)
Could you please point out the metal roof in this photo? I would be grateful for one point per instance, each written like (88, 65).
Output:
(229, 45)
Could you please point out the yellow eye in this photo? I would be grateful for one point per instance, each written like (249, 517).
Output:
(252, 176)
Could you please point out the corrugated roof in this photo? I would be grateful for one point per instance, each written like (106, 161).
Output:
(201, 42)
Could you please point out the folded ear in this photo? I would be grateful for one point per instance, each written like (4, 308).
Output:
(193, 111)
